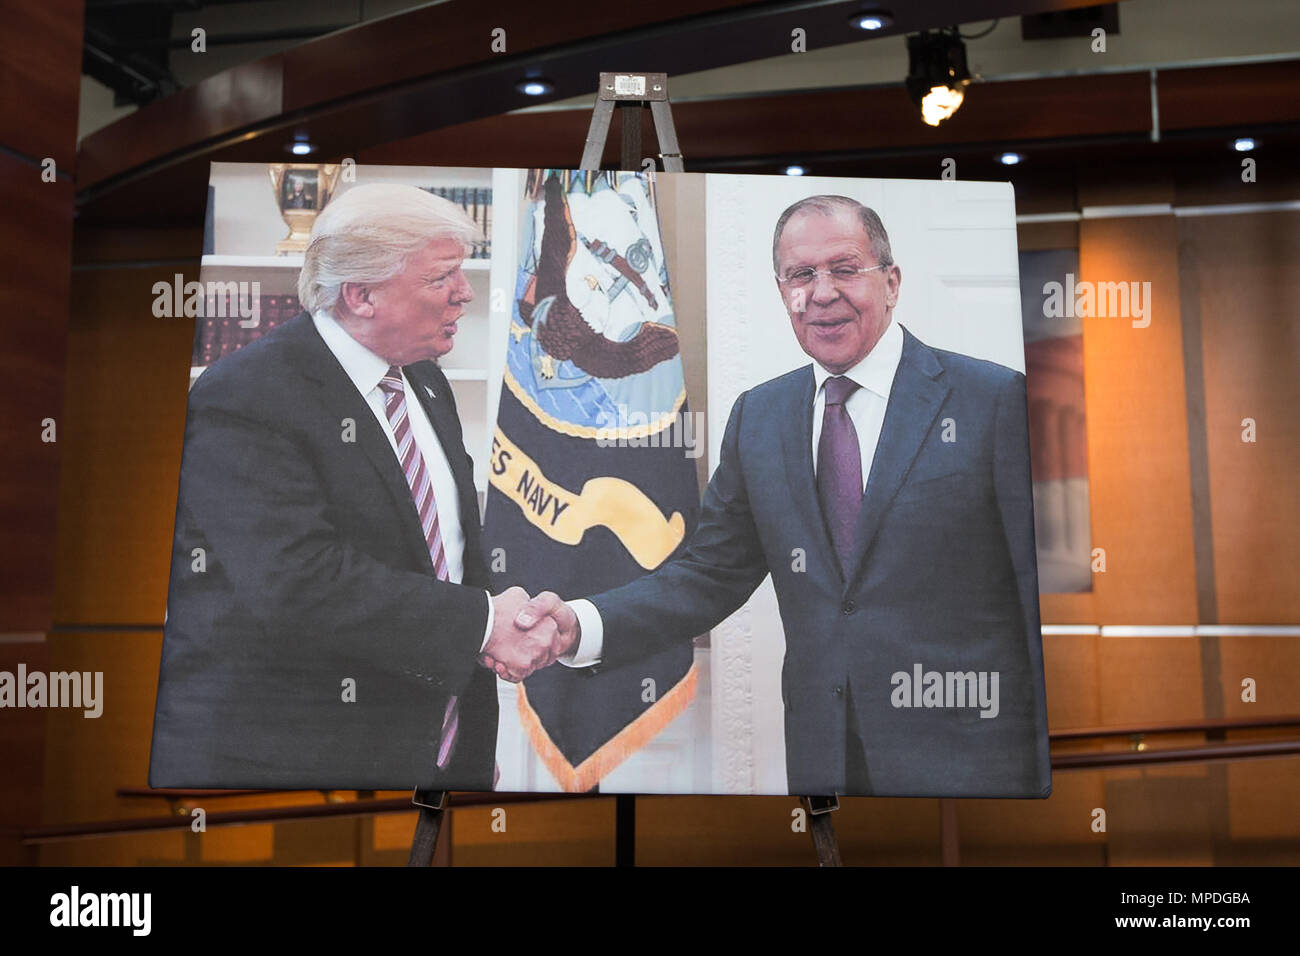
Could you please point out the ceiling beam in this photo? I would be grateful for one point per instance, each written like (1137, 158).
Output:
(434, 67)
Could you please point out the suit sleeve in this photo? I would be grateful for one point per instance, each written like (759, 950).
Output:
(1014, 487)
(719, 568)
(1011, 479)
(251, 496)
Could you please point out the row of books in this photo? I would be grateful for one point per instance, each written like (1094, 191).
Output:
(477, 202)
(219, 330)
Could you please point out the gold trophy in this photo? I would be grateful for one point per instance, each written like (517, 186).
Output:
(301, 192)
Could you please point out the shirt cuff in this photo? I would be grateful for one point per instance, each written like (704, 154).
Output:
(487, 631)
(592, 635)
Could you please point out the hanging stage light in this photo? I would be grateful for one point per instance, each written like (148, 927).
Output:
(937, 75)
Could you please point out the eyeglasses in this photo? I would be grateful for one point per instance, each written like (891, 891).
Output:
(840, 275)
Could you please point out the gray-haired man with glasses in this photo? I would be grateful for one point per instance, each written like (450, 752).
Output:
(886, 490)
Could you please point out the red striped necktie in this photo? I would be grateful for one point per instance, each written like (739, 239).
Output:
(417, 478)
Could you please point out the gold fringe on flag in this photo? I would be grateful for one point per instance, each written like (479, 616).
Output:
(614, 751)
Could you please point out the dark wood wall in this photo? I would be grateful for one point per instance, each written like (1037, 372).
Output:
(40, 66)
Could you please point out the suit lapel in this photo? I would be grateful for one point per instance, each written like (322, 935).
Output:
(337, 392)
(796, 441)
(426, 378)
(915, 398)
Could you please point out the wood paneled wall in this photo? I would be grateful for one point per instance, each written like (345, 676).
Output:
(128, 372)
(40, 57)
(1137, 429)
(1244, 288)
(40, 54)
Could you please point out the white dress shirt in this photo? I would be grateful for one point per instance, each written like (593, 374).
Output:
(366, 370)
(866, 408)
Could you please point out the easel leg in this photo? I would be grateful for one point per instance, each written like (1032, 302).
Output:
(948, 834)
(427, 827)
(625, 829)
(630, 121)
(822, 829)
(597, 134)
(442, 850)
(667, 133)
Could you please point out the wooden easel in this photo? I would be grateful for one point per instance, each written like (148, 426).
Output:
(427, 827)
(636, 91)
(821, 828)
(628, 92)
(631, 93)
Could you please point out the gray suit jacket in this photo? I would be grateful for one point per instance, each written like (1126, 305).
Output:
(945, 578)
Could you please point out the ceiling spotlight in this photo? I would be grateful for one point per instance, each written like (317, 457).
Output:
(937, 75)
(1010, 159)
(940, 103)
(872, 20)
(535, 86)
(301, 148)
(1244, 144)
(794, 170)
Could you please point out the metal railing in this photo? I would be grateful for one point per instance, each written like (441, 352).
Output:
(335, 805)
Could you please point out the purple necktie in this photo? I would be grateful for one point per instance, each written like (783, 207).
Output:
(417, 478)
(839, 469)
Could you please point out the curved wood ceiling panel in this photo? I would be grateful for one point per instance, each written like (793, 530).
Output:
(433, 67)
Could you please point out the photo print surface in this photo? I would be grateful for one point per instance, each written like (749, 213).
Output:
(544, 480)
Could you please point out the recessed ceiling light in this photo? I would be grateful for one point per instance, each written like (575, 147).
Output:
(1010, 159)
(872, 20)
(794, 170)
(535, 86)
(1243, 144)
(301, 148)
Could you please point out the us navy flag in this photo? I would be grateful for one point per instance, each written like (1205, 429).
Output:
(590, 485)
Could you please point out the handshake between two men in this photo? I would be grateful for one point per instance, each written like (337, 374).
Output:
(528, 633)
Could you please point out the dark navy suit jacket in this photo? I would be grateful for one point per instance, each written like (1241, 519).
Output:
(945, 577)
(315, 571)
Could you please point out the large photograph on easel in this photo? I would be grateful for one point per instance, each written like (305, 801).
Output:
(451, 517)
